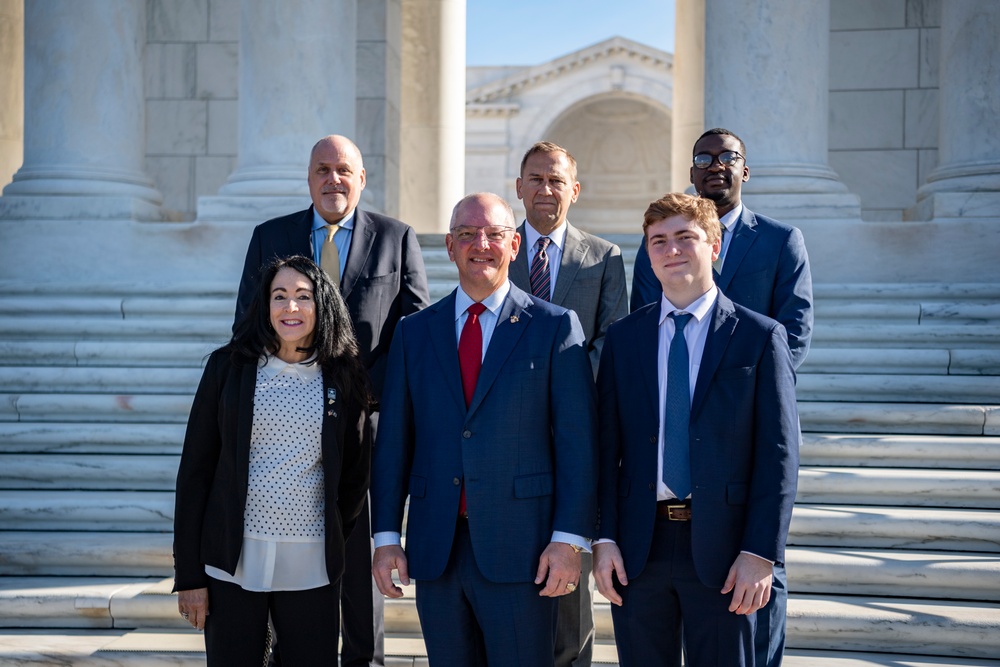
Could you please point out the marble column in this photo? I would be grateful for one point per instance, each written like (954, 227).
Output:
(297, 84)
(767, 79)
(12, 89)
(432, 133)
(966, 182)
(84, 135)
(687, 121)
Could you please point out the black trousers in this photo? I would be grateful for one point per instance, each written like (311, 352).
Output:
(236, 629)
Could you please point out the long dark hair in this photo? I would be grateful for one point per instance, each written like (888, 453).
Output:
(333, 342)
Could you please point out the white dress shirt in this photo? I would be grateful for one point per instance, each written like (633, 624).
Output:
(695, 334)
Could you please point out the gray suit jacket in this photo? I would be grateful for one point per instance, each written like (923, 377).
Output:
(591, 283)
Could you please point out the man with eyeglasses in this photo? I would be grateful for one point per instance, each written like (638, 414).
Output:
(582, 272)
(493, 439)
(762, 266)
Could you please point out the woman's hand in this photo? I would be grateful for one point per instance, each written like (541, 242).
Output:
(193, 606)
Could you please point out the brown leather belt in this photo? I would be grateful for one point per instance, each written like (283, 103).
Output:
(674, 510)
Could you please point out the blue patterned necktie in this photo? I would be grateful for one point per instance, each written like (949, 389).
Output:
(677, 413)
(539, 276)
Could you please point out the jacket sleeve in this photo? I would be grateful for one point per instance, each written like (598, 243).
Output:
(199, 458)
(355, 467)
(793, 297)
(612, 304)
(250, 278)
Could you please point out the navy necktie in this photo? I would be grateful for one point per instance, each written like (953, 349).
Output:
(539, 276)
(677, 413)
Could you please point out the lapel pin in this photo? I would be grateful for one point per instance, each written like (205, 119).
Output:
(331, 395)
(513, 319)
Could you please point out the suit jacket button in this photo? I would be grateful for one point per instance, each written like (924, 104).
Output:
(456, 481)
(466, 433)
(652, 439)
(652, 486)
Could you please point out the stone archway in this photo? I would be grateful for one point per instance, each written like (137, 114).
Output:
(622, 146)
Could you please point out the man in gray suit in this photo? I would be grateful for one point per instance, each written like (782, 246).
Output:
(583, 273)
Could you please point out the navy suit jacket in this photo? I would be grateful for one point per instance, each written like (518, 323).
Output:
(383, 280)
(526, 445)
(744, 440)
(766, 270)
(591, 283)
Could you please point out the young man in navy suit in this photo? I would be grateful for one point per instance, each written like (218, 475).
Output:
(376, 261)
(493, 439)
(763, 266)
(698, 456)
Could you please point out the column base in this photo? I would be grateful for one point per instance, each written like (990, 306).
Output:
(944, 205)
(785, 207)
(248, 208)
(78, 207)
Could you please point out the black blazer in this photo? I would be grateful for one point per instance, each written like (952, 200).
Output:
(215, 465)
(384, 278)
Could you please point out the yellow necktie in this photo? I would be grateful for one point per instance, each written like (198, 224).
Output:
(329, 259)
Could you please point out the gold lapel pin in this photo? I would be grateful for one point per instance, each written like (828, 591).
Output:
(513, 319)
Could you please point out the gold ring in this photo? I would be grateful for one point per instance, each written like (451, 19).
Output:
(570, 587)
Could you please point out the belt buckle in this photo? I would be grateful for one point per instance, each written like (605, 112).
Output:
(683, 513)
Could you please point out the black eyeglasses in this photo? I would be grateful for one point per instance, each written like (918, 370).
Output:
(729, 159)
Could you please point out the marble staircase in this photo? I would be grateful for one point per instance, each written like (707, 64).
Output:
(894, 554)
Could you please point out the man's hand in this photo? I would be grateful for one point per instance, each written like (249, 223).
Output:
(750, 580)
(385, 560)
(608, 561)
(562, 565)
(193, 606)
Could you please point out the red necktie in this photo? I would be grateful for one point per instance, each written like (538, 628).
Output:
(470, 359)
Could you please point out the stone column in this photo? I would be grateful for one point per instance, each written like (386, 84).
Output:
(966, 182)
(12, 89)
(432, 156)
(767, 79)
(84, 135)
(297, 84)
(689, 89)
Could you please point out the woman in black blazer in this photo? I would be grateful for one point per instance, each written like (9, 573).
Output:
(273, 474)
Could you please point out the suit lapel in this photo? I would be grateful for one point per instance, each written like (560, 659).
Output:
(362, 240)
(514, 318)
(244, 427)
(744, 235)
(574, 252)
(442, 336)
(647, 345)
(299, 236)
(519, 267)
(719, 334)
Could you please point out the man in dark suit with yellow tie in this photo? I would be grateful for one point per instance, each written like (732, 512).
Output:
(376, 261)
(698, 456)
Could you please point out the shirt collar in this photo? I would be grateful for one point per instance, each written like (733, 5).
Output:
(729, 219)
(700, 307)
(558, 235)
(346, 223)
(271, 366)
(493, 302)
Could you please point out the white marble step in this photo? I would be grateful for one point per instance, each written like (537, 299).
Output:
(100, 379)
(185, 648)
(889, 486)
(87, 510)
(826, 485)
(811, 386)
(91, 437)
(881, 388)
(897, 451)
(960, 629)
(89, 471)
(930, 627)
(150, 408)
(213, 328)
(835, 333)
(899, 418)
(149, 353)
(93, 553)
(918, 528)
(896, 292)
(899, 573)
